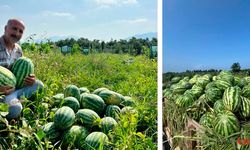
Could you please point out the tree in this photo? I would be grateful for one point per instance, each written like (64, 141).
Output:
(235, 67)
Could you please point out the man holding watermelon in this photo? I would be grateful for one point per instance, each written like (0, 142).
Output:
(10, 52)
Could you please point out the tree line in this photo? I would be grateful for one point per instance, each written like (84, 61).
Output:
(235, 68)
(132, 46)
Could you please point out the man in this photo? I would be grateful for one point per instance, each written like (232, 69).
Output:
(10, 51)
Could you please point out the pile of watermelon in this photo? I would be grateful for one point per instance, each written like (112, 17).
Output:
(86, 120)
(220, 103)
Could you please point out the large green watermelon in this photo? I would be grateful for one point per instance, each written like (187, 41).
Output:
(111, 97)
(64, 118)
(97, 140)
(22, 68)
(113, 111)
(75, 136)
(7, 78)
(72, 90)
(226, 123)
(50, 130)
(232, 99)
(88, 117)
(71, 102)
(108, 124)
(93, 102)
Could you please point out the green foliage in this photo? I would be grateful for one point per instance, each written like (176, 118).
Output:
(235, 67)
(137, 79)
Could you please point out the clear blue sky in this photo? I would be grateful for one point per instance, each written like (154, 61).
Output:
(93, 19)
(205, 34)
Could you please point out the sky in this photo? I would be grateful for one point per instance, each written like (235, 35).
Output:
(205, 34)
(92, 19)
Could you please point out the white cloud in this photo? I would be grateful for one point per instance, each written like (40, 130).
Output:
(115, 2)
(58, 14)
(133, 21)
(5, 7)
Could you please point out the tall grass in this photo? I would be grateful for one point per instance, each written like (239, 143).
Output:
(125, 74)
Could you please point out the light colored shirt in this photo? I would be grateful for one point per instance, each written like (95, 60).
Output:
(6, 58)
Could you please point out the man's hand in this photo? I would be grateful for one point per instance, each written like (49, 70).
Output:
(30, 80)
(6, 90)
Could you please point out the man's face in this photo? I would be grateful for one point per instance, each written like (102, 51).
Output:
(14, 31)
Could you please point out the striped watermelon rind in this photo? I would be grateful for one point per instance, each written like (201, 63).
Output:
(108, 124)
(88, 117)
(7, 78)
(64, 118)
(75, 135)
(93, 102)
(22, 68)
(232, 99)
(245, 107)
(72, 90)
(111, 97)
(50, 130)
(97, 140)
(226, 123)
(113, 111)
(71, 102)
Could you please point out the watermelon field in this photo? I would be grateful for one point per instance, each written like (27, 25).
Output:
(207, 111)
(94, 101)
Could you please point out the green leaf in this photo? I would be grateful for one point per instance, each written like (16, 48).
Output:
(40, 134)
(4, 107)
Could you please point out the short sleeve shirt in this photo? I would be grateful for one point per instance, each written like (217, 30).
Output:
(6, 58)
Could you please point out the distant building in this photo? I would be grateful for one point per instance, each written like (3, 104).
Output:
(85, 51)
(65, 49)
(153, 52)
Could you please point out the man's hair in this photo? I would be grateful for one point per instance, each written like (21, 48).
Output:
(10, 21)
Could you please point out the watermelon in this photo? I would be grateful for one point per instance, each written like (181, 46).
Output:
(97, 91)
(178, 88)
(222, 84)
(243, 141)
(111, 97)
(245, 107)
(75, 135)
(72, 90)
(64, 118)
(7, 78)
(93, 102)
(128, 101)
(185, 100)
(203, 80)
(213, 94)
(50, 130)
(231, 98)
(71, 102)
(83, 90)
(87, 117)
(246, 91)
(175, 79)
(226, 123)
(113, 111)
(207, 119)
(57, 99)
(97, 140)
(218, 106)
(108, 124)
(197, 90)
(22, 68)
(129, 110)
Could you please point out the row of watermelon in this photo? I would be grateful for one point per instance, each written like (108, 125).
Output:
(225, 99)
